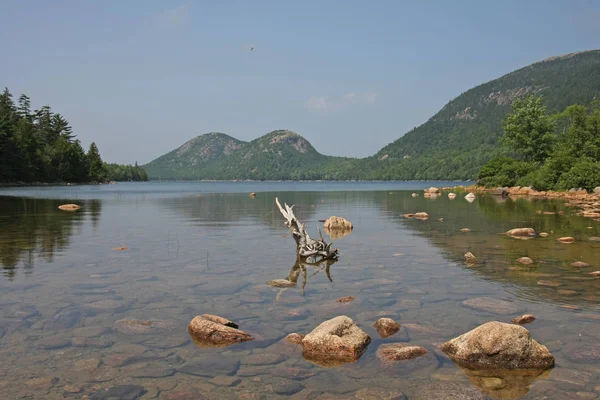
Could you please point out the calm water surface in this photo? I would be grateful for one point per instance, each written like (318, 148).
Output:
(197, 248)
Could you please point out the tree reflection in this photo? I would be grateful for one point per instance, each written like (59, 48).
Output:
(35, 229)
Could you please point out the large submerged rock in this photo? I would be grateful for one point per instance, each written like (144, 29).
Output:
(214, 331)
(335, 341)
(498, 345)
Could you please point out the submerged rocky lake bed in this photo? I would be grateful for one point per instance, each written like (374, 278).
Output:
(164, 253)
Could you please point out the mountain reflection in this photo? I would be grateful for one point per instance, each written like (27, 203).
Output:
(33, 228)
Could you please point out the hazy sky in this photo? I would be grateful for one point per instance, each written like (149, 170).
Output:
(142, 77)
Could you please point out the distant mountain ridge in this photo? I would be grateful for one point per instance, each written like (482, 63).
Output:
(280, 154)
(453, 144)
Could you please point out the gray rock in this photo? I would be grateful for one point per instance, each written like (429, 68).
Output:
(285, 387)
(210, 367)
(22, 311)
(64, 319)
(448, 391)
(597, 190)
(121, 392)
(53, 343)
(492, 305)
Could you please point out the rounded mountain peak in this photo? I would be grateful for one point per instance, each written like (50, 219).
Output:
(286, 138)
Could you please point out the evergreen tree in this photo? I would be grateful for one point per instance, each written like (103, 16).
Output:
(96, 171)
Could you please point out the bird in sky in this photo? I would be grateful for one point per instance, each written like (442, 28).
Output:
(251, 48)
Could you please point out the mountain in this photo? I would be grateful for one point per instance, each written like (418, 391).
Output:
(193, 156)
(453, 144)
(464, 134)
(281, 154)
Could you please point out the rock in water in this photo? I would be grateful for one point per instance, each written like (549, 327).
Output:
(525, 319)
(493, 305)
(470, 197)
(451, 196)
(566, 239)
(65, 319)
(399, 352)
(69, 207)
(295, 338)
(498, 345)
(219, 320)
(208, 333)
(521, 232)
(525, 260)
(386, 327)
(580, 264)
(335, 341)
(346, 299)
(334, 223)
(432, 190)
(122, 392)
(470, 259)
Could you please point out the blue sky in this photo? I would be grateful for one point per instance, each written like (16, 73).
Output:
(141, 77)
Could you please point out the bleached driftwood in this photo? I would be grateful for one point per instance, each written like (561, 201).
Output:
(307, 248)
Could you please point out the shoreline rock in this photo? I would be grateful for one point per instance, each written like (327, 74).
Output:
(210, 333)
(498, 345)
(335, 341)
(386, 327)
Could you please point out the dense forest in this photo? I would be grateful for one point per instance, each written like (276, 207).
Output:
(40, 146)
(546, 151)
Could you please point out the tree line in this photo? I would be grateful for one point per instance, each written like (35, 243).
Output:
(39, 146)
(547, 152)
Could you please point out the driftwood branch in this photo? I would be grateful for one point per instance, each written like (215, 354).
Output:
(307, 248)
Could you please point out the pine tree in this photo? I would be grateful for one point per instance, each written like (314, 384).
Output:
(96, 171)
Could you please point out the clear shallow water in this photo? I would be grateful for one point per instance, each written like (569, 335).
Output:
(197, 248)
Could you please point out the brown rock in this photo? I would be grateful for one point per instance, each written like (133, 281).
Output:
(582, 353)
(521, 232)
(432, 190)
(414, 195)
(336, 339)
(207, 333)
(295, 338)
(567, 292)
(399, 352)
(498, 345)
(335, 223)
(451, 196)
(525, 260)
(121, 248)
(580, 264)
(549, 283)
(544, 234)
(252, 194)
(465, 230)
(346, 299)
(595, 273)
(525, 319)
(386, 327)
(219, 320)
(69, 207)
(566, 239)
(140, 327)
(493, 305)
(421, 215)
(43, 383)
(470, 259)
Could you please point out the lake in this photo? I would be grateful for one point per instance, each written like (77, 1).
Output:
(207, 247)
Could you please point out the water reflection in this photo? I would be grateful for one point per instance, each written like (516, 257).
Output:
(35, 228)
(505, 384)
(302, 268)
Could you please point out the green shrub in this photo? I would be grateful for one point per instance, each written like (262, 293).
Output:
(504, 171)
(585, 174)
